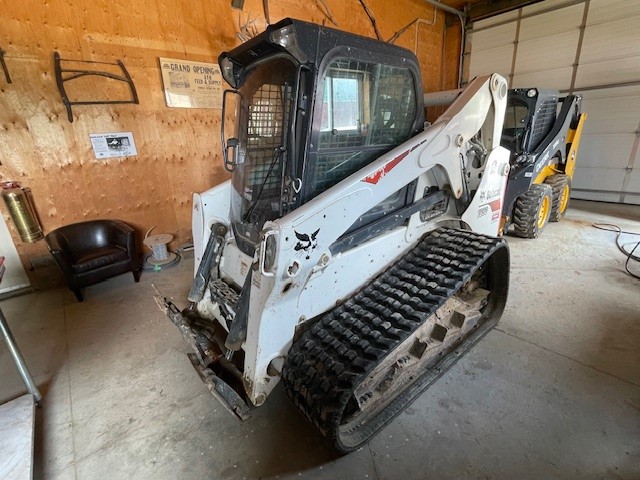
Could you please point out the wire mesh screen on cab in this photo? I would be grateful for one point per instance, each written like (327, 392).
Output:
(268, 116)
(266, 98)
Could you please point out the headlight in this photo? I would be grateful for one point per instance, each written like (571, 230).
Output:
(286, 38)
(532, 92)
(226, 68)
(268, 252)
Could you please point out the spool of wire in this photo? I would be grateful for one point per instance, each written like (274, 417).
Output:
(160, 251)
(160, 257)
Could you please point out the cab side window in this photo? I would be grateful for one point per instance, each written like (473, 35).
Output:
(367, 109)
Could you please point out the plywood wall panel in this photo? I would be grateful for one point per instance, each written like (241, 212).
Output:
(451, 62)
(178, 149)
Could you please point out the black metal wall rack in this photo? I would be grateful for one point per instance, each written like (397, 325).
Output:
(67, 74)
(4, 66)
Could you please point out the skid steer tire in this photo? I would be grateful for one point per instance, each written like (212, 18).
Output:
(336, 354)
(532, 211)
(561, 190)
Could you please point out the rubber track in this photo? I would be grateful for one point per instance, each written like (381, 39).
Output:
(328, 361)
(557, 183)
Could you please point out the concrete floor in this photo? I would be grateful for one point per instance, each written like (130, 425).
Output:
(552, 392)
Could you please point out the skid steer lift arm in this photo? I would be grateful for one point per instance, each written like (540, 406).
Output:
(480, 106)
(441, 144)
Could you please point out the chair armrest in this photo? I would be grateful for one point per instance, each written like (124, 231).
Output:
(121, 234)
(52, 241)
(60, 254)
(55, 246)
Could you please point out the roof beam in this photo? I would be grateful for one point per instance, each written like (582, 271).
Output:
(489, 8)
(446, 8)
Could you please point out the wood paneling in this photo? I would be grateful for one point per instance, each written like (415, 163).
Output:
(178, 149)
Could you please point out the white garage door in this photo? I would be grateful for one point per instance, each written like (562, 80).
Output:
(589, 47)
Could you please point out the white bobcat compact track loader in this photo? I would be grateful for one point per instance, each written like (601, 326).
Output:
(353, 253)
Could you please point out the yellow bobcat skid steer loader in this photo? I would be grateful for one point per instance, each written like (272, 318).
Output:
(353, 253)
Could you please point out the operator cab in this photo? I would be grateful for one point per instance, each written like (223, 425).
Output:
(313, 105)
(530, 116)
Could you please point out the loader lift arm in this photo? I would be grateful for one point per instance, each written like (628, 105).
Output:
(441, 144)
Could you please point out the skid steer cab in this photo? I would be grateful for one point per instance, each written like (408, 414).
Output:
(542, 130)
(353, 253)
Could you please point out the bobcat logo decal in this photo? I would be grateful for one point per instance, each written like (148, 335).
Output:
(306, 242)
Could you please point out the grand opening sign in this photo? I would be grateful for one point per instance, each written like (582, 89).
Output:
(191, 84)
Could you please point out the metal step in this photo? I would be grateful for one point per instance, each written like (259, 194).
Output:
(16, 438)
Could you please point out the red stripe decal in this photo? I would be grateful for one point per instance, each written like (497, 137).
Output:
(375, 177)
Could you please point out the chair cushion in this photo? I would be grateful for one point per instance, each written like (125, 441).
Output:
(98, 257)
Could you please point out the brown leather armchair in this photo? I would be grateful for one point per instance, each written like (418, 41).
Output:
(90, 252)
